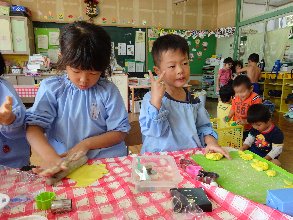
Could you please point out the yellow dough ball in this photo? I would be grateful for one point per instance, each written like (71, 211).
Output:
(245, 156)
(259, 165)
(214, 156)
(271, 173)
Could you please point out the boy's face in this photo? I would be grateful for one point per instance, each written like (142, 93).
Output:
(261, 126)
(238, 67)
(242, 91)
(176, 66)
(228, 66)
(83, 79)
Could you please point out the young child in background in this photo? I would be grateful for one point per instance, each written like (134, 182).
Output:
(265, 139)
(225, 74)
(244, 98)
(224, 106)
(80, 111)
(171, 118)
(15, 151)
(253, 71)
(236, 66)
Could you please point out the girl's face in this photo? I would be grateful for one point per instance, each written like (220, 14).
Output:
(83, 79)
(228, 66)
(238, 67)
(176, 66)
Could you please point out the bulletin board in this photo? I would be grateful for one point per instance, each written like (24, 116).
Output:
(118, 35)
(47, 42)
(199, 50)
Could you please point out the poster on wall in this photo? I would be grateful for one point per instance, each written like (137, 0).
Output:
(43, 41)
(130, 50)
(121, 48)
(140, 46)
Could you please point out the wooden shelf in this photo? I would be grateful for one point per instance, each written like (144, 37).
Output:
(275, 84)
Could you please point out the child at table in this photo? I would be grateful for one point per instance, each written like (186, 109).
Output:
(244, 98)
(171, 118)
(265, 139)
(14, 149)
(224, 106)
(80, 111)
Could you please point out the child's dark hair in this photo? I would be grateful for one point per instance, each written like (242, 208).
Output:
(238, 63)
(226, 93)
(84, 46)
(2, 65)
(258, 113)
(254, 57)
(242, 80)
(168, 42)
(228, 60)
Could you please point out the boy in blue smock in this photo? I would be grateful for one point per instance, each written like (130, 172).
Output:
(171, 118)
(80, 111)
(14, 149)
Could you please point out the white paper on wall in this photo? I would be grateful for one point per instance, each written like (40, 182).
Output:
(121, 48)
(43, 41)
(130, 50)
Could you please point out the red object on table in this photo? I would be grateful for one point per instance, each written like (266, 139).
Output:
(114, 196)
(26, 90)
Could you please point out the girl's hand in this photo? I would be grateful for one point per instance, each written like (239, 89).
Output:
(61, 164)
(6, 115)
(157, 89)
(52, 166)
(217, 149)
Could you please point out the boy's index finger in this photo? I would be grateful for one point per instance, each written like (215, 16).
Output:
(151, 76)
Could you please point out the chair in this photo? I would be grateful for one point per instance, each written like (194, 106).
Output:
(133, 140)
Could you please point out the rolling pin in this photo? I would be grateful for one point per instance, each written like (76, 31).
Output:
(72, 165)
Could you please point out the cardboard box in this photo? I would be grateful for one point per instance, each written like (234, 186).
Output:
(281, 199)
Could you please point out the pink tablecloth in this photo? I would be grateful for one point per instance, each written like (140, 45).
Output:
(114, 197)
(26, 90)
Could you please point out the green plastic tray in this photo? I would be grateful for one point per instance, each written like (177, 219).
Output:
(238, 177)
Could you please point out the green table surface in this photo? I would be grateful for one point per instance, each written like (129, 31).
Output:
(238, 177)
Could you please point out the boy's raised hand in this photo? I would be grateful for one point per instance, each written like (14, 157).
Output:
(157, 89)
(6, 114)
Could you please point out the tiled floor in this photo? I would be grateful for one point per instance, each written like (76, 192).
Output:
(286, 125)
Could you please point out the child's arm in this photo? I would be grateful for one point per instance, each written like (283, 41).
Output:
(153, 116)
(248, 142)
(7, 117)
(11, 125)
(229, 116)
(244, 69)
(39, 142)
(277, 146)
(276, 151)
(157, 90)
(212, 145)
(206, 133)
(105, 140)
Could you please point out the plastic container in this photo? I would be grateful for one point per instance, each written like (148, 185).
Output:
(229, 136)
(44, 200)
(163, 173)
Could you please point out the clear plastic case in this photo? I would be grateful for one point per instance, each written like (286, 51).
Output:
(155, 173)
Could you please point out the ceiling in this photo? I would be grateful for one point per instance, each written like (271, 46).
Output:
(275, 3)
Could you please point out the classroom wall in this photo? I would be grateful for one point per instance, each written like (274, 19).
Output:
(226, 13)
(193, 14)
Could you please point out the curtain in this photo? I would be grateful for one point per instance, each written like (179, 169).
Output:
(275, 45)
